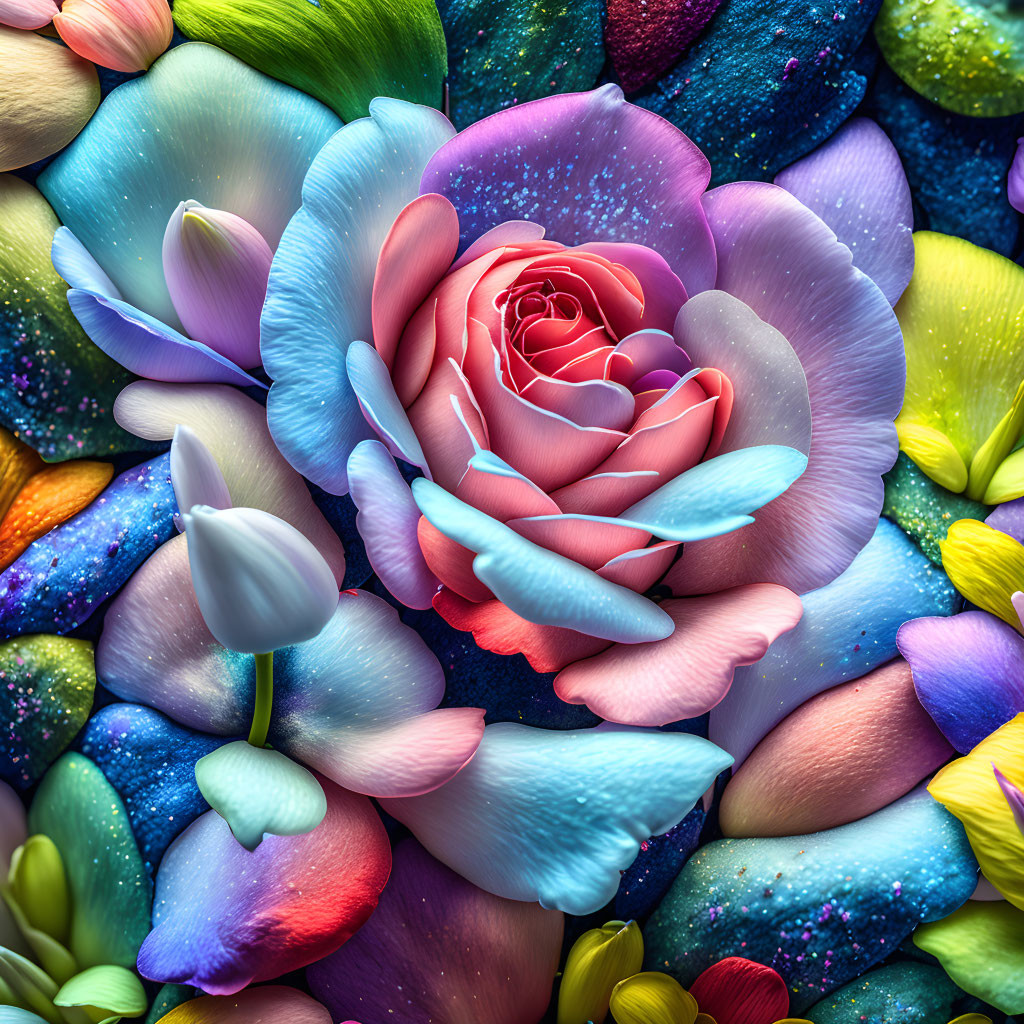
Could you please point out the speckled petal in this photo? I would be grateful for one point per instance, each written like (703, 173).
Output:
(555, 816)
(46, 692)
(224, 917)
(778, 257)
(267, 1004)
(62, 578)
(438, 947)
(819, 908)
(234, 429)
(530, 163)
(968, 671)
(110, 891)
(848, 628)
(856, 185)
(845, 753)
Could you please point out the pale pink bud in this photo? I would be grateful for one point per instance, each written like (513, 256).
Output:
(125, 35)
(27, 13)
(216, 266)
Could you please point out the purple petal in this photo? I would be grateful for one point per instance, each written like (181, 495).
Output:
(786, 265)
(438, 948)
(534, 161)
(856, 185)
(387, 522)
(968, 671)
(149, 348)
(1014, 797)
(1008, 518)
(1015, 179)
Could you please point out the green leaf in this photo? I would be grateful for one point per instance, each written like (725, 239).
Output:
(257, 790)
(59, 388)
(343, 52)
(106, 987)
(981, 947)
(110, 891)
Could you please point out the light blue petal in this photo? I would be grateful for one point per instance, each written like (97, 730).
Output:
(321, 281)
(848, 628)
(540, 585)
(717, 496)
(200, 125)
(555, 817)
(372, 385)
(75, 264)
(149, 348)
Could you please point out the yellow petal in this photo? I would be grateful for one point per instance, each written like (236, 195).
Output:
(934, 453)
(17, 463)
(985, 565)
(597, 962)
(652, 998)
(51, 496)
(996, 448)
(1007, 481)
(47, 94)
(972, 1018)
(962, 318)
(968, 788)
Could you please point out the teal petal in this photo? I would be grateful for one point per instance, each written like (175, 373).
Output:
(538, 584)
(848, 896)
(46, 697)
(14, 1015)
(555, 817)
(110, 891)
(258, 791)
(909, 993)
(199, 125)
(321, 281)
(167, 999)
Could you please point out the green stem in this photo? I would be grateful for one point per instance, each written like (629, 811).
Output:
(264, 699)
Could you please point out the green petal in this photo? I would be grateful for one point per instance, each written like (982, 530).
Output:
(39, 886)
(597, 962)
(110, 891)
(922, 508)
(962, 318)
(46, 697)
(986, 566)
(53, 956)
(31, 987)
(981, 947)
(257, 790)
(105, 987)
(59, 388)
(965, 56)
(343, 52)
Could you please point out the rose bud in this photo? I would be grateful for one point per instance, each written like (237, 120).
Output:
(597, 962)
(27, 13)
(216, 266)
(124, 35)
(260, 583)
(195, 475)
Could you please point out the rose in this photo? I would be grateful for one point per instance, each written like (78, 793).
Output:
(465, 380)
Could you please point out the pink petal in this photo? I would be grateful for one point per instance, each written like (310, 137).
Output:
(504, 496)
(27, 13)
(498, 629)
(607, 494)
(440, 949)
(224, 917)
(842, 755)
(508, 233)
(590, 542)
(689, 672)
(125, 35)
(418, 250)
(268, 1004)
(451, 563)
(641, 569)
(647, 351)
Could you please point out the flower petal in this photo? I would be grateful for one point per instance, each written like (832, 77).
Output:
(268, 1004)
(986, 566)
(842, 755)
(234, 429)
(848, 628)
(555, 816)
(439, 948)
(224, 917)
(652, 173)
(27, 13)
(538, 584)
(856, 185)
(968, 672)
(200, 125)
(688, 673)
(779, 258)
(741, 991)
(319, 298)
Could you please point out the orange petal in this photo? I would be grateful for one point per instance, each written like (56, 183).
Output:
(51, 496)
(17, 463)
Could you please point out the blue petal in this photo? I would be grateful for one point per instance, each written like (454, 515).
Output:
(537, 584)
(76, 265)
(200, 125)
(321, 281)
(848, 628)
(818, 908)
(149, 348)
(372, 385)
(556, 816)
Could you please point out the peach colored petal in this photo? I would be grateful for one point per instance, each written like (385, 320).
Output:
(588, 541)
(124, 35)
(451, 563)
(607, 494)
(503, 496)
(640, 569)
